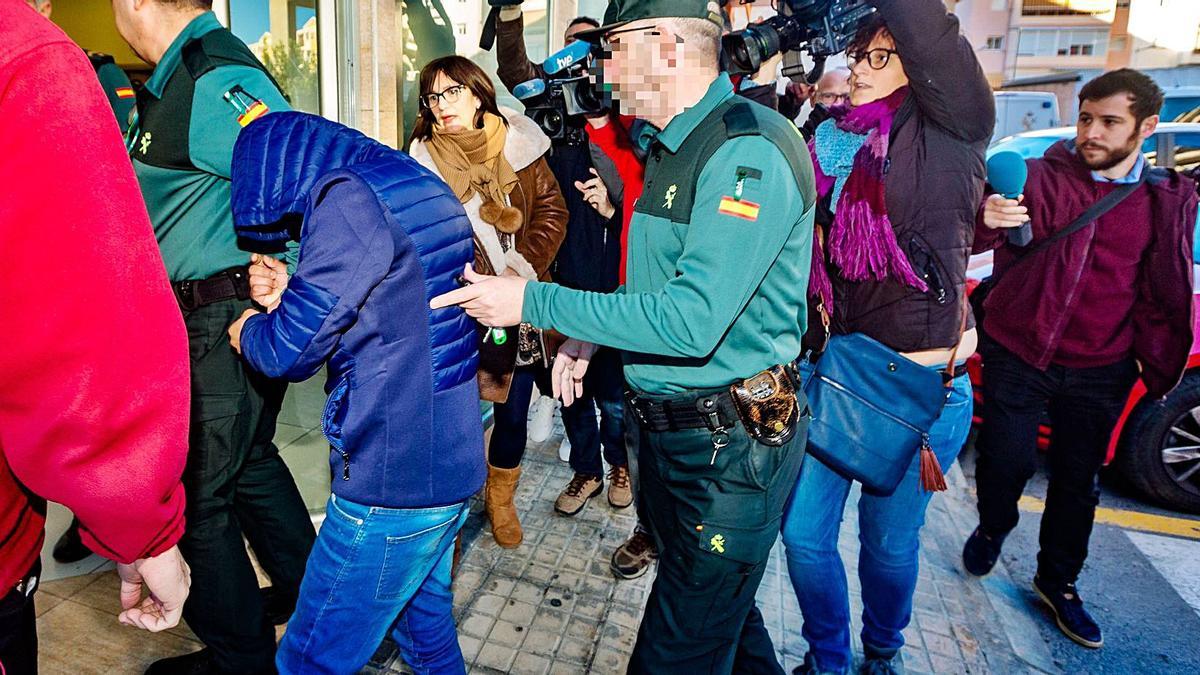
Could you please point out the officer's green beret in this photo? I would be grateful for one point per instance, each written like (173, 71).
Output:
(621, 12)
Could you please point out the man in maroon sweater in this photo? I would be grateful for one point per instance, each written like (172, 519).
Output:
(94, 367)
(1073, 330)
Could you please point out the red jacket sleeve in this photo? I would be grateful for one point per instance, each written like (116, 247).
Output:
(94, 370)
(613, 140)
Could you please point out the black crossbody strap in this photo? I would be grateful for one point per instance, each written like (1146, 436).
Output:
(1102, 206)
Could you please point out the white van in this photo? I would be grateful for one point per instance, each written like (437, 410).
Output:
(1021, 111)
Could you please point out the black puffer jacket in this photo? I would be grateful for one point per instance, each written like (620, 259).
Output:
(934, 184)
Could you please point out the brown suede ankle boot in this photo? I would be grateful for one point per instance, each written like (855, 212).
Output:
(498, 498)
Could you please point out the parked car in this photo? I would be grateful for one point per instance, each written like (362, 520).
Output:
(1156, 444)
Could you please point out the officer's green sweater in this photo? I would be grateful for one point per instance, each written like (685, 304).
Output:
(189, 207)
(711, 302)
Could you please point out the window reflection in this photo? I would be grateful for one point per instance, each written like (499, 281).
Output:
(283, 35)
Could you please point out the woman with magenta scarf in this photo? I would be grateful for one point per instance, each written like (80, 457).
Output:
(900, 172)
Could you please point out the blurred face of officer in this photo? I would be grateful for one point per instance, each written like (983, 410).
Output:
(454, 106)
(877, 71)
(651, 65)
(1107, 132)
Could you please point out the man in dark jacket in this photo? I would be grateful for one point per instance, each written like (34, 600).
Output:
(589, 259)
(1074, 329)
(380, 236)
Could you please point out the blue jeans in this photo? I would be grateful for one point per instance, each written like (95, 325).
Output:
(889, 534)
(375, 570)
(603, 387)
(510, 428)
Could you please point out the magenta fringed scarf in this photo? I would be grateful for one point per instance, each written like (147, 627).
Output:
(861, 241)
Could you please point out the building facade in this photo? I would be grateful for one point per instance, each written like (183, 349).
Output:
(1019, 39)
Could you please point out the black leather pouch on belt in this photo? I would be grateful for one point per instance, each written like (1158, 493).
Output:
(767, 406)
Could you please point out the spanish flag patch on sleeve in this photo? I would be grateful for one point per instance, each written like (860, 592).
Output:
(256, 110)
(124, 92)
(738, 209)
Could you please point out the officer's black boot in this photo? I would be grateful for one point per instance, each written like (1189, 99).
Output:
(69, 548)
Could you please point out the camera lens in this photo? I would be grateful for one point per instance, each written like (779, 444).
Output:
(553, 123)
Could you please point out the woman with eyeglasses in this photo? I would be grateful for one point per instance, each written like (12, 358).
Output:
(901, 171)
(494, 160)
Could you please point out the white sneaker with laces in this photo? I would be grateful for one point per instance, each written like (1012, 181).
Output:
(541, 418)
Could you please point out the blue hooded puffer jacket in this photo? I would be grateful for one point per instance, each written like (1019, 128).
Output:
(379, 237)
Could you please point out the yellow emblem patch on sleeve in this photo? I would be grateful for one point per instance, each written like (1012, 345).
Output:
(124, 92)
(738, 209)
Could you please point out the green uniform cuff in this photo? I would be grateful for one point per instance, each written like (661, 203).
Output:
(534, 301)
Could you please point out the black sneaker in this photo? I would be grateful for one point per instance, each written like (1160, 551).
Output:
(981, 552)
(1072, 618)
(69, 548)
(877, 663)
(195, 663)
(809, 667)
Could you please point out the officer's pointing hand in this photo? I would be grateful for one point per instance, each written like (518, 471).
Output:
(495, 302)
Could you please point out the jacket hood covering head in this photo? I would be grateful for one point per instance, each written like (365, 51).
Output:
(278, 160)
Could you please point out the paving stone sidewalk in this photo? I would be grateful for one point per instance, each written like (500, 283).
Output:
(553, 606)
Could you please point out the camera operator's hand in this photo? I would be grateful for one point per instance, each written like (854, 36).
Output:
(1001, 213)
(595, 193)
(769, 70)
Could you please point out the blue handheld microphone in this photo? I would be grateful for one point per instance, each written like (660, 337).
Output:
(1007, 173)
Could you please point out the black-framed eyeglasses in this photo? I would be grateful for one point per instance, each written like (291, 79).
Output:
(877, 58)
(450, 95)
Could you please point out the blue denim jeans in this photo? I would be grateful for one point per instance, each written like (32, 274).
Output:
(889, 534)
(603, 387)
(373, 571)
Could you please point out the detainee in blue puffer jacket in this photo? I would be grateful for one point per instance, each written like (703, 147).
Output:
(379, 237)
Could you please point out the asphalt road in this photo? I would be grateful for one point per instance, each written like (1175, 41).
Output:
(1141, 582)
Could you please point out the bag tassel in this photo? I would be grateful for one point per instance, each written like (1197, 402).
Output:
(932, 477)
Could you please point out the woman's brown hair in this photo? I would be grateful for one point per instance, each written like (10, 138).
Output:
(462, 71)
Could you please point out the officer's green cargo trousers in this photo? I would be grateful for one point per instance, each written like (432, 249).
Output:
(237, 484)
(715, 519)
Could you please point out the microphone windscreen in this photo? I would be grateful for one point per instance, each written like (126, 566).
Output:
(1007, 173)
(566, 57)
(530, 89)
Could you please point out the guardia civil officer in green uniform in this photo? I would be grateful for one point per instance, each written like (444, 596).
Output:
(205, 88)
(718, 261)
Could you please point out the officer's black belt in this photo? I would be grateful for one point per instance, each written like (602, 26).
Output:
(713, 411)
(230, 284)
